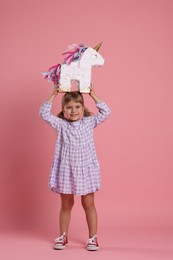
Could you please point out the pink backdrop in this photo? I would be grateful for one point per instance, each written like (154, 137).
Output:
(135, 146)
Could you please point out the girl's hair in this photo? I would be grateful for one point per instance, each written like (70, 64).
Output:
(75, 96)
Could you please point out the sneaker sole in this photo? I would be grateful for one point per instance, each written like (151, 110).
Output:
(59, 247)
(93, 248)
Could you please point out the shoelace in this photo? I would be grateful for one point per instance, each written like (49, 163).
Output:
(61, 238)
(92, 240)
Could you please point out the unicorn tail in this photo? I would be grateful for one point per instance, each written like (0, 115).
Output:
(53, 74)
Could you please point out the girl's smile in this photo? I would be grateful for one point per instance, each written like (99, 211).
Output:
(73, 111)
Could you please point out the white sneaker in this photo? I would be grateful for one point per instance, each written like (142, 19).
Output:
(92, 244)
(61, 242)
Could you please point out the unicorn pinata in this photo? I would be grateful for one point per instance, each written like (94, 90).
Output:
(77, 65)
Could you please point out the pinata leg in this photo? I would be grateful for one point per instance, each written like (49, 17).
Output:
(65, 86)
(84, 86)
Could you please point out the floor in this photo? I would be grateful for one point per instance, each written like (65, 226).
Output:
(120, 245)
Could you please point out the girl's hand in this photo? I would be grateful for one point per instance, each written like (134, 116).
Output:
(56, 89)
(54, 93)
(93, 94)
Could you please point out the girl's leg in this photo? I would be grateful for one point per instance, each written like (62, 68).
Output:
(91, 214)
(67, 202)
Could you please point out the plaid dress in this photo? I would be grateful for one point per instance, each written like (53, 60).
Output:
(75, 168)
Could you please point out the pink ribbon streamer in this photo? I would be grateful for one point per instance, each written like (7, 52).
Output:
(53, 73)
(73, 52)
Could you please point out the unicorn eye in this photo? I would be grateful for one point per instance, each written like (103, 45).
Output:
(95, 56)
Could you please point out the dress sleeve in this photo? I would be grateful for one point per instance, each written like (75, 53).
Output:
(46, 115)
(102, 114)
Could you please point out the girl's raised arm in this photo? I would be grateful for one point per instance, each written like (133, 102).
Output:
(103, 112)
(45, 110)
(93, 95)
(54, 93)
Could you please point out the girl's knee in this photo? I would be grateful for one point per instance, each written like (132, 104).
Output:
(67, 206)
(88, 202)
(88, 206)
(67, 201)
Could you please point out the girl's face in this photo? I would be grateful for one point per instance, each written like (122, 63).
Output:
(73, 111)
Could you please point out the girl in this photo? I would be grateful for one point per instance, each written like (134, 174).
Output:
(75, 168)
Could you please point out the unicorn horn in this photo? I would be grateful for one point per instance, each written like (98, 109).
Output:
(97, 47)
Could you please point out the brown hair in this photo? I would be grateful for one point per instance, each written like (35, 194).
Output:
(75, 96)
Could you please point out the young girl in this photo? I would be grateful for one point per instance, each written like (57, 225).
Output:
(75, 168)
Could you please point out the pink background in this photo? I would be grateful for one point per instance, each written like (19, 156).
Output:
(135, 146)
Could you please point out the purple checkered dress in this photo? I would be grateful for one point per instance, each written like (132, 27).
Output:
(75, 168)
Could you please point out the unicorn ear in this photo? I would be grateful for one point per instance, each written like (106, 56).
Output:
(97, 47)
